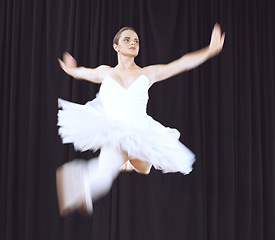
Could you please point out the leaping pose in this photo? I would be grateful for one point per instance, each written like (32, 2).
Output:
(116, 122)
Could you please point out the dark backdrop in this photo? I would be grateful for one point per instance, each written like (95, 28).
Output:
(225, 110)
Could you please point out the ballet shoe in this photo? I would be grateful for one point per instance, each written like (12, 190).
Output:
(73, 189)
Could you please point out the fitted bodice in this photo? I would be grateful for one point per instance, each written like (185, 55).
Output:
(127, 105)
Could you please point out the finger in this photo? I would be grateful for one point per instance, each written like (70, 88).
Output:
(60, 61)
(223, 37)
(213, 33)
(216, 33)
(69, 59)
(69, 56)
(62, 64)
(217, 26)
(66, 56)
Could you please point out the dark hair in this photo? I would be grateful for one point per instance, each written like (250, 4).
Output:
(117, 36)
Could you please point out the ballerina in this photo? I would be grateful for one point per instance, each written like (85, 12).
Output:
(116, 122)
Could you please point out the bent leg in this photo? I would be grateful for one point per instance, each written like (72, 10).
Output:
(102, 175)
(141, 166)
(80, 182)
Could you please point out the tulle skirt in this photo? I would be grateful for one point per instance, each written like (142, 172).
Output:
(88, 127)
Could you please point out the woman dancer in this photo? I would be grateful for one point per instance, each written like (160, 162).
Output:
(116, 122)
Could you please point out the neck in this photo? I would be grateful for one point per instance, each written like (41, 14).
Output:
(125, 62)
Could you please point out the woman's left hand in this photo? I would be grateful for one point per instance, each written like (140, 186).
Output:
(217, 40)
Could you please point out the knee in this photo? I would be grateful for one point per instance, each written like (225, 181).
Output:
(141, 166)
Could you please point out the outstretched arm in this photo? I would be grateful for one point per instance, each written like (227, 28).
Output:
(69, 65)
(188, 61)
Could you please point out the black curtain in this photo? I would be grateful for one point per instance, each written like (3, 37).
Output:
(225, 110)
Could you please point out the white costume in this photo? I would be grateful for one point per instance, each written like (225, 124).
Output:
(117, 118)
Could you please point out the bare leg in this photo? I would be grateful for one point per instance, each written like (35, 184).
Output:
(141, 166)
(127, 167)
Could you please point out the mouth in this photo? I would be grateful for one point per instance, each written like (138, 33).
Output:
(132, 48)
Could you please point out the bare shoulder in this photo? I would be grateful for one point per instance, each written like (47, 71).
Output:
(150, 72)
(102, 71)
(103, 68)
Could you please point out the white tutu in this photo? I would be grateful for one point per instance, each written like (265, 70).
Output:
(117, 117)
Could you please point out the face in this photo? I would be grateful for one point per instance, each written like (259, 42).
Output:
(128, 44)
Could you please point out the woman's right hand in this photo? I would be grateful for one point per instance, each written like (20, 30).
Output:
(68, 64)
(94, 75)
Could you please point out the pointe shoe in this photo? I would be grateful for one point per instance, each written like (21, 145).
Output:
(73, 190)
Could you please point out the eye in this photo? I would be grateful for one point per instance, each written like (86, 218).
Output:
(126, 40)
(137, 42)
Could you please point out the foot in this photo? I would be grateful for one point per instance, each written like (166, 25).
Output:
(73, 188)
